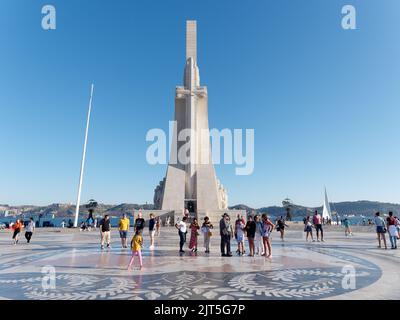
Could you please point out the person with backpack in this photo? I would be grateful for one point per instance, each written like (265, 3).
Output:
(392, 228)
(267, 227)
(317, 221)
(380, 229)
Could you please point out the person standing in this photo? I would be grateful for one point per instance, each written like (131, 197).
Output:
(168, 221)
(317, 221)
(397, 225)
(152, 230)
(226, 232)
(392, 228)
(194, 233)
(123, 228)
(308, 228)
(347, 228)
(139, 222)
(182, 231)
(105, 231)
(380, 229)
(239, 235)
(268, 226)
(258, 236)
(158, 226)
(136, 246)
(30, 228)
(206, 229)
(17, 227)
(281, 224)
(251, 233)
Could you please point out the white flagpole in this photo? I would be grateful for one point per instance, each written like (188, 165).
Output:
(83, 158)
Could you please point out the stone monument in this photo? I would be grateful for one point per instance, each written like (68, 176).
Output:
(191, 185)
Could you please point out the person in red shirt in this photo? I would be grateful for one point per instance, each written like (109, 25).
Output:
(317, 221)
(17, 227)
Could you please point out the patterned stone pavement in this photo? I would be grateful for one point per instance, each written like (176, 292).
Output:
(297, 270)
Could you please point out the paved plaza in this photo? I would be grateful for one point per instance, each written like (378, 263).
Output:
(297, 270)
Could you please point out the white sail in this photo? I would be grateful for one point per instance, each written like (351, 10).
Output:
(326, 212)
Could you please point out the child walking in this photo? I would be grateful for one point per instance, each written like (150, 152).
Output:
(136, 246)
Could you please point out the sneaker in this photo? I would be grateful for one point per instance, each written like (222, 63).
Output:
(102, 247)
(322, 240)
(223, 255)
(108, 246)
(314, 240)
(181, 251)
(151, 247)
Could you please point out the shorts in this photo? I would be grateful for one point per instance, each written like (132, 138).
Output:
(380, 229)
(152, 233)
(266, 234)
(318, 227)
(239, 238)
(16, 232)
(308, 229)
(123, 234)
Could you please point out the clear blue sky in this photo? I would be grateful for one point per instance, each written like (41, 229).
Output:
(324, 102)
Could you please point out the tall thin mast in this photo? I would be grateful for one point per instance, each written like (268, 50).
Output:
(83, 158)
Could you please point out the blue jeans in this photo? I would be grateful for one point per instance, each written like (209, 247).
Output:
(393, 241)
(182, 239)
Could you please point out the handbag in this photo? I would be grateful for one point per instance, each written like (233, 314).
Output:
(209, 233)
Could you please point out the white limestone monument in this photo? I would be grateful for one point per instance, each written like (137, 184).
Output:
(191, 185)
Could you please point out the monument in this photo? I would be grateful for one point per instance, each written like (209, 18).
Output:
(191, 186)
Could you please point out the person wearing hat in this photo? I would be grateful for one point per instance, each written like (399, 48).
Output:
(226, 232)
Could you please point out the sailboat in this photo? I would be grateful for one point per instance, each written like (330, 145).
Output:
(326, 212)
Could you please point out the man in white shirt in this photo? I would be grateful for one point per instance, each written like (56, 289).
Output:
(30, 228)
(182, 230)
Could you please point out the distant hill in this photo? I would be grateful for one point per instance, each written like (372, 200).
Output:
(364, 207)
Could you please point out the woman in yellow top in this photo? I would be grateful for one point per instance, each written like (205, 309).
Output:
(123, 227)
(136, 246)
